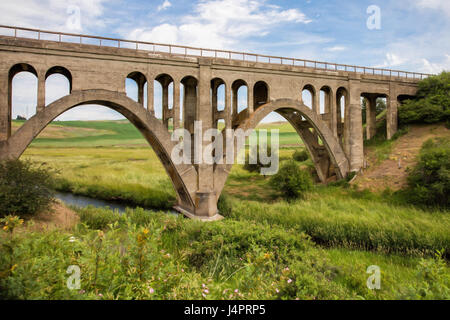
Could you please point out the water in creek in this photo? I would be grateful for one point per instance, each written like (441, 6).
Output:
(82, 201)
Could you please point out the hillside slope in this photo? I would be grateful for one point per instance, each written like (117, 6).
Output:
(392, 172)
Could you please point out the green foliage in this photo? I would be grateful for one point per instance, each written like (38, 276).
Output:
(291, 180)
(170, 258)
(167, 257)
(434, 281)
(253, 161)
(300, 155)
(225, 205)
(101, 218)
(432, 103)
(429, 181)
(24, 188)
(346, 218)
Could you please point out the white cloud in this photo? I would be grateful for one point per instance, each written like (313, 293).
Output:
(51, 14)
(221, 24)
(441, 5)
(335, 49)
(166, 4)
(392, 60)
(435, 68)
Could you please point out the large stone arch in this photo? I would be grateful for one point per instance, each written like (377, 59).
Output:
(183, 176)
(330, 154)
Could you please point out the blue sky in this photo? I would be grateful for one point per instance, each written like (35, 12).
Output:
(414, 34)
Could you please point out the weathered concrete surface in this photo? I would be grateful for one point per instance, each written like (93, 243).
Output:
(97, 75)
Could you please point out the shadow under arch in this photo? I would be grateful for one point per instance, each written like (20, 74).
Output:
(183, 176)
(294, 111)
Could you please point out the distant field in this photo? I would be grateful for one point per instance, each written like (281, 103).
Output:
(120, 133)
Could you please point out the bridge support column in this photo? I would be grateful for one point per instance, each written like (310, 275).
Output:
(205, 199)
(315, 102)
(355, 139)
(228, 107)
(371, 121)
(150, 89)
(176, 104)
(392, 113)
(333, 118)
(5, 108)
(250, 102)
(41, 93)
(165, 103)
(141, 85)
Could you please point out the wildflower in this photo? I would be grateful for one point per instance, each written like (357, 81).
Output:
(5, 228)
(145, 231)
(72, 239)
(286, 269)
(204, 295)
(277, 291)
(151, 290)
(289, 281)
(266, 255)
(206, 291)
(203, 285)
(236, 291)
(100, 295)
(81, 291)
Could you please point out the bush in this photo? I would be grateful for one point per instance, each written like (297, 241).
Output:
(292, 181)
(224, 205)
(434, 281)
(24, 188)
(253, 165)
(429, 181)
(300, 155)
(432, 103)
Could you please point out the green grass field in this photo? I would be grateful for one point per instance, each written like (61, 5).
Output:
(119, 133)
(326, 240)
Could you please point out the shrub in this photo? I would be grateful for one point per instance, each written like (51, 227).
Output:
(255, 165)
(292, 181)
(300, 155)
(434, 281)
(24, 187)
(429, 181)
(224, 205)
(432, 103)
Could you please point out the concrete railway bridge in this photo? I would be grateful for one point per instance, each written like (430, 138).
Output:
(97, 69)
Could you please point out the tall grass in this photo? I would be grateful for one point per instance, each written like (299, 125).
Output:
(147, 255)
(345, 221)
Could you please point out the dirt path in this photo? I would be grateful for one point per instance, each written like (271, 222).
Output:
(392, 172)
(58, 217)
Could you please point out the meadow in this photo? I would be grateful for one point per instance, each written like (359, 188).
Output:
(266, 248)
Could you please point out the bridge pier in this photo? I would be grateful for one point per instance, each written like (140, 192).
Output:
(354, 140)
(392, 112)
(5, 111)
(371, 121)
